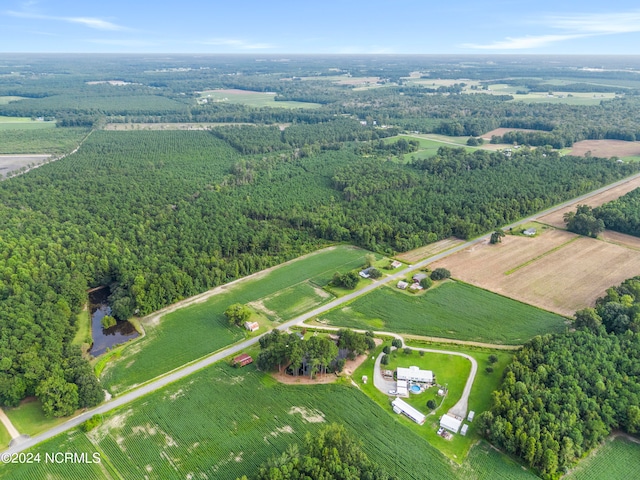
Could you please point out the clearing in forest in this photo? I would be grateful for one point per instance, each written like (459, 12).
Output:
(185, 334)
(606, 148)
(556, 270)
(250, 98)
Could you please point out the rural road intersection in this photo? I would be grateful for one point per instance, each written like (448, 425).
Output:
(193, 367)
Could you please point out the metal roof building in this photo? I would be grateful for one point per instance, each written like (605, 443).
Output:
(450, 423)
(414, 374)
(400, 406)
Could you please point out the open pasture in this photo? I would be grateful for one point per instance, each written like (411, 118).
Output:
(552, 271)
(251, 99)
(556, 218)
(450, 310)
(484, 462)
(617, 459)
(567, 98)
(22, 123)
(223, 423)
(501, 131)
(185, 333)
(414, 256)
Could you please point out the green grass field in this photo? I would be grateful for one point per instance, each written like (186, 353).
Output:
(223, 423)
(617, 459)
(251, 99)
(22, 123)
(5, 99)
(453, 310)
(54, 141)
(83, 334)
(192, 332)
(429, 144)
(5, 438)
(29, 418)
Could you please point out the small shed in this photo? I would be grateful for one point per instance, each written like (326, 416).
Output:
(465, 427)
(416, 286)
(242, 360)
(395, 264)
(529, 232)
(450, 423)
(402, 285)
(470, 416)
(251, 326)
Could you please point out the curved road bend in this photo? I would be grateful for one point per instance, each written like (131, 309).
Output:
(215, 357)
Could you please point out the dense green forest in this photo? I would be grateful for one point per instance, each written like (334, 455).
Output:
(623, 214)
(563, 394)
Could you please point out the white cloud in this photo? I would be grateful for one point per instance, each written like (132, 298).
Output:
(519, 43)
(572, 27)
(95, 23)
(238, 44)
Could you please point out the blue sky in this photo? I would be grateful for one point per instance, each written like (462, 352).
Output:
(328, 26)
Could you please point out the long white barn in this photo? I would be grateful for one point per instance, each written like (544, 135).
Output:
(400, 406)
(414, 374)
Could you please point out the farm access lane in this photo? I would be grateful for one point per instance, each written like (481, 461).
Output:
(215, 357)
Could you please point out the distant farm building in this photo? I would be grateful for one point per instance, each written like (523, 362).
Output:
(529, 232)
(251, 326)
(402, 285)
(414, 374)
(395, 264)
(400, 406)
(242, 360)
(450, 423)
(366, 273)
(416, 286)
(418, 277)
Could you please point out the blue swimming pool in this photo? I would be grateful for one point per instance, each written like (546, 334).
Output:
(415, 389)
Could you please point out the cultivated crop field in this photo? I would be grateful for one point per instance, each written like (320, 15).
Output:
(223, 423)
(451, 310)
(414, 256)
(188, 333)
(251, 99)
(558, 271)
(617, 459)
(606, 148)
(9, 163)
(486, 463)
(556, 218)
(11, 123)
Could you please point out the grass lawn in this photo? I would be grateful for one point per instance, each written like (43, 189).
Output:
(429, 145)
(179, 432)
(453, 310)
(29, 418)
(83, 335)
(617, 459)
(448, 369)
(192, 332)
(252, 99)
(486, 463)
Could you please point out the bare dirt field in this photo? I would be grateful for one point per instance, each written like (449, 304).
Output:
(8, 163)
(622, 239)
(413, 256)
(557, 271)
(501, 131)
(606, 148)
(556, 218)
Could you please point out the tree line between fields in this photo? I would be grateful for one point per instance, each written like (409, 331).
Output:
(563, 394)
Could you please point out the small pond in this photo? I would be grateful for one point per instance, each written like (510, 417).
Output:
(104, 338)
